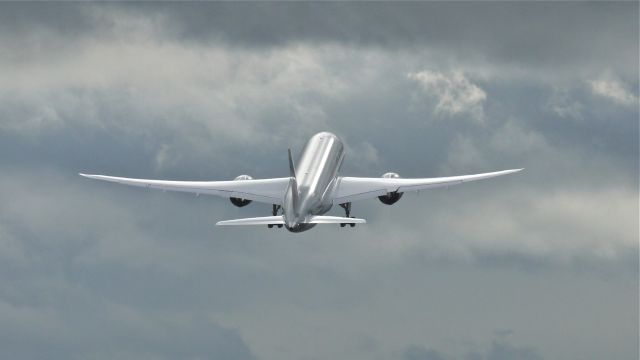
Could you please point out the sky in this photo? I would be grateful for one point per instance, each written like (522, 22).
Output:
(542, 264)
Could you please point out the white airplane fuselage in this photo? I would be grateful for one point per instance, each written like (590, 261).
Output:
(315, 178)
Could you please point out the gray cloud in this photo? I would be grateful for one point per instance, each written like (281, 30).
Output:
(421, 353)
(499, 350)
(567, 37)
(613, 89)
(67, 290)
(455, 93)
(535, 33)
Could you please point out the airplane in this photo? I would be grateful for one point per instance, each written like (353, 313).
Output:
(310, 190)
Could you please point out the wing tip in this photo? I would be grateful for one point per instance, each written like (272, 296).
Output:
(507, 172)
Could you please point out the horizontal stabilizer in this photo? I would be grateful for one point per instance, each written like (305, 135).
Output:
(334, 220)
(264, 220)
(279, 220)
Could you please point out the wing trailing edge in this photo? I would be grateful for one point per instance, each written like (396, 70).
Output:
(279, 220)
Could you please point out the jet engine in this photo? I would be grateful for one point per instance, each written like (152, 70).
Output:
(391, 197)
(238, 201)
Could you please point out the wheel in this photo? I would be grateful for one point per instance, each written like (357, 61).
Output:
(352, 225)
(279, 226)
(342, 225)
(270, 226)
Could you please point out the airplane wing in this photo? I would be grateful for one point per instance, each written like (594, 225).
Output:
(350, 189)
(270, 191)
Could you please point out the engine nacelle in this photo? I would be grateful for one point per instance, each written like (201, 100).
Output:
(391, 197)
(238, 201)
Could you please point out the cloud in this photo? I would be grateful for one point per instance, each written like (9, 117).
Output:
(90, 330)
(613, 90)
(501, 350)
(421, 353)
(48, 264)
(563, 105)
(498, 350)
(577, 40)
(454, 93)
(575, 37)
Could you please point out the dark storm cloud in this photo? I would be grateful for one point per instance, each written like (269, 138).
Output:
(63, 18)
(522, 32)
(553, 35)
(539, 34)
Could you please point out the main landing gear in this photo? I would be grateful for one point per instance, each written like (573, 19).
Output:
(274, 212)
(345, 206)
(347, 210)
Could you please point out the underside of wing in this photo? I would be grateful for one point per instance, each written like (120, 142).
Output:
(269, 191)
(356, 188)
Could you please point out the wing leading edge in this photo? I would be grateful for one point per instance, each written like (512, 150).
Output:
(350, 189)
(279, 220)
(270, 191)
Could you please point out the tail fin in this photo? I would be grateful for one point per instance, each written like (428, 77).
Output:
(293, 182)
(292, 169)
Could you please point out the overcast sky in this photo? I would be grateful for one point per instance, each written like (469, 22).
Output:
(538, 265)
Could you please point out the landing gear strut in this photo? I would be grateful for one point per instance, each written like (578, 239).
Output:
(274, 212)
(347, 210)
